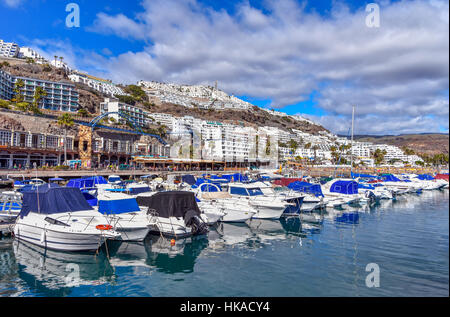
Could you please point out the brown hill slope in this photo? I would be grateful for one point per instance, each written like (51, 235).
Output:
(433, 143)
(90, 100)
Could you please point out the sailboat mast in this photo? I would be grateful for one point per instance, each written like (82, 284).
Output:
(351, 144)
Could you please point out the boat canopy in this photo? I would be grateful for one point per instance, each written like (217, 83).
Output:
(209, 187)
(441, 176)
(118, 206)
(344, 187)
(114, 178)
(170, 203)
(356, 175)
(97, 179)
(285, 181)
(366, 186)
(134, 190)
(237, 177)
(305, 187)
(56, 179)
(189, 179)
(53, 199)
(81, 183)
(425, 177)
(390, 178)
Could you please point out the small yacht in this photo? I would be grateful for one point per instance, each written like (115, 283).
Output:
(10, 206)
(210, 194)
(344, 190)
(60, 218)
(124, 215)
(174, 213)
(267, 207)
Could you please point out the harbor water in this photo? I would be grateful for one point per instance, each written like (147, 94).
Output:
(406, 239)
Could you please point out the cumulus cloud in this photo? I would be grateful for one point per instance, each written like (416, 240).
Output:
(398, 71)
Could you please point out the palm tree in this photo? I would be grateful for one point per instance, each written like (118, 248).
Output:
(39, 93)
(65, 121)
(18, 88)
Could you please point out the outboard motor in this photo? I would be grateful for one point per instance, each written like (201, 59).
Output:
(191, 219)
(369, 194)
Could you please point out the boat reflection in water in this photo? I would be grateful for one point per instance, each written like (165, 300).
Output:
(55, 273)
(177, 257)
(295, 226)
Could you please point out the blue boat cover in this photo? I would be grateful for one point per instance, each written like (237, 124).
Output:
(344, 187)
(53, 199)
(305, 187)
(210, 189)
(355, 175)
(118, 206)
(114, 178)
(97, 179)
(90, 199)
(365, 186)
(390, 178)
(237, 177)
(81, 183)
(189, 179)
(425, 177)
(138, 190)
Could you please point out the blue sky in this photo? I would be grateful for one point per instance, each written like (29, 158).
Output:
(315, 58)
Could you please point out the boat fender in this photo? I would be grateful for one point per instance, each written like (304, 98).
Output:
(43, 237)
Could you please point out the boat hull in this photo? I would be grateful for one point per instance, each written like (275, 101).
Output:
(54, 240)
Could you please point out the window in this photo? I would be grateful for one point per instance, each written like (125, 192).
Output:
(85, 145)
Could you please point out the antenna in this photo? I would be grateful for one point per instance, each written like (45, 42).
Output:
(351, 148)
(37, 188)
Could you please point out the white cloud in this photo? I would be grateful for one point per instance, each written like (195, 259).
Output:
(12, 3)
(398, 71)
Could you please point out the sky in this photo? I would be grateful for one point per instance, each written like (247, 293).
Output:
(314, 58)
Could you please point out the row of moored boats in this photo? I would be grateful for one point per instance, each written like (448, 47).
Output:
(86, 212)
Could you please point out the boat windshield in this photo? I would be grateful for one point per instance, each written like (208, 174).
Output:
(255, 191)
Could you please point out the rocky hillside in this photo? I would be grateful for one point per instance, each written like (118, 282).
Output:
(90, 100)
(254, 117)
(433, 143)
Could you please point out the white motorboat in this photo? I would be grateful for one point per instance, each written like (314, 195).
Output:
(267, 207)
(232, 210)
(10, 206)
(174, 213)
(60, 218)
(344, 190)
(124, 215)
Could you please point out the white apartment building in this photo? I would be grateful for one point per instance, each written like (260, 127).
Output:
(140, 117)
(27, 52)
(392, 152)
(99, 84)
(8, 49)
(60, 64)
(190, 96)
(164, 119)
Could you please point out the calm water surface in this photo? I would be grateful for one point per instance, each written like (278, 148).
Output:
(407, 238)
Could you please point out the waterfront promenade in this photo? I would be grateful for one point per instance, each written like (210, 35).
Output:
(307, 171)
